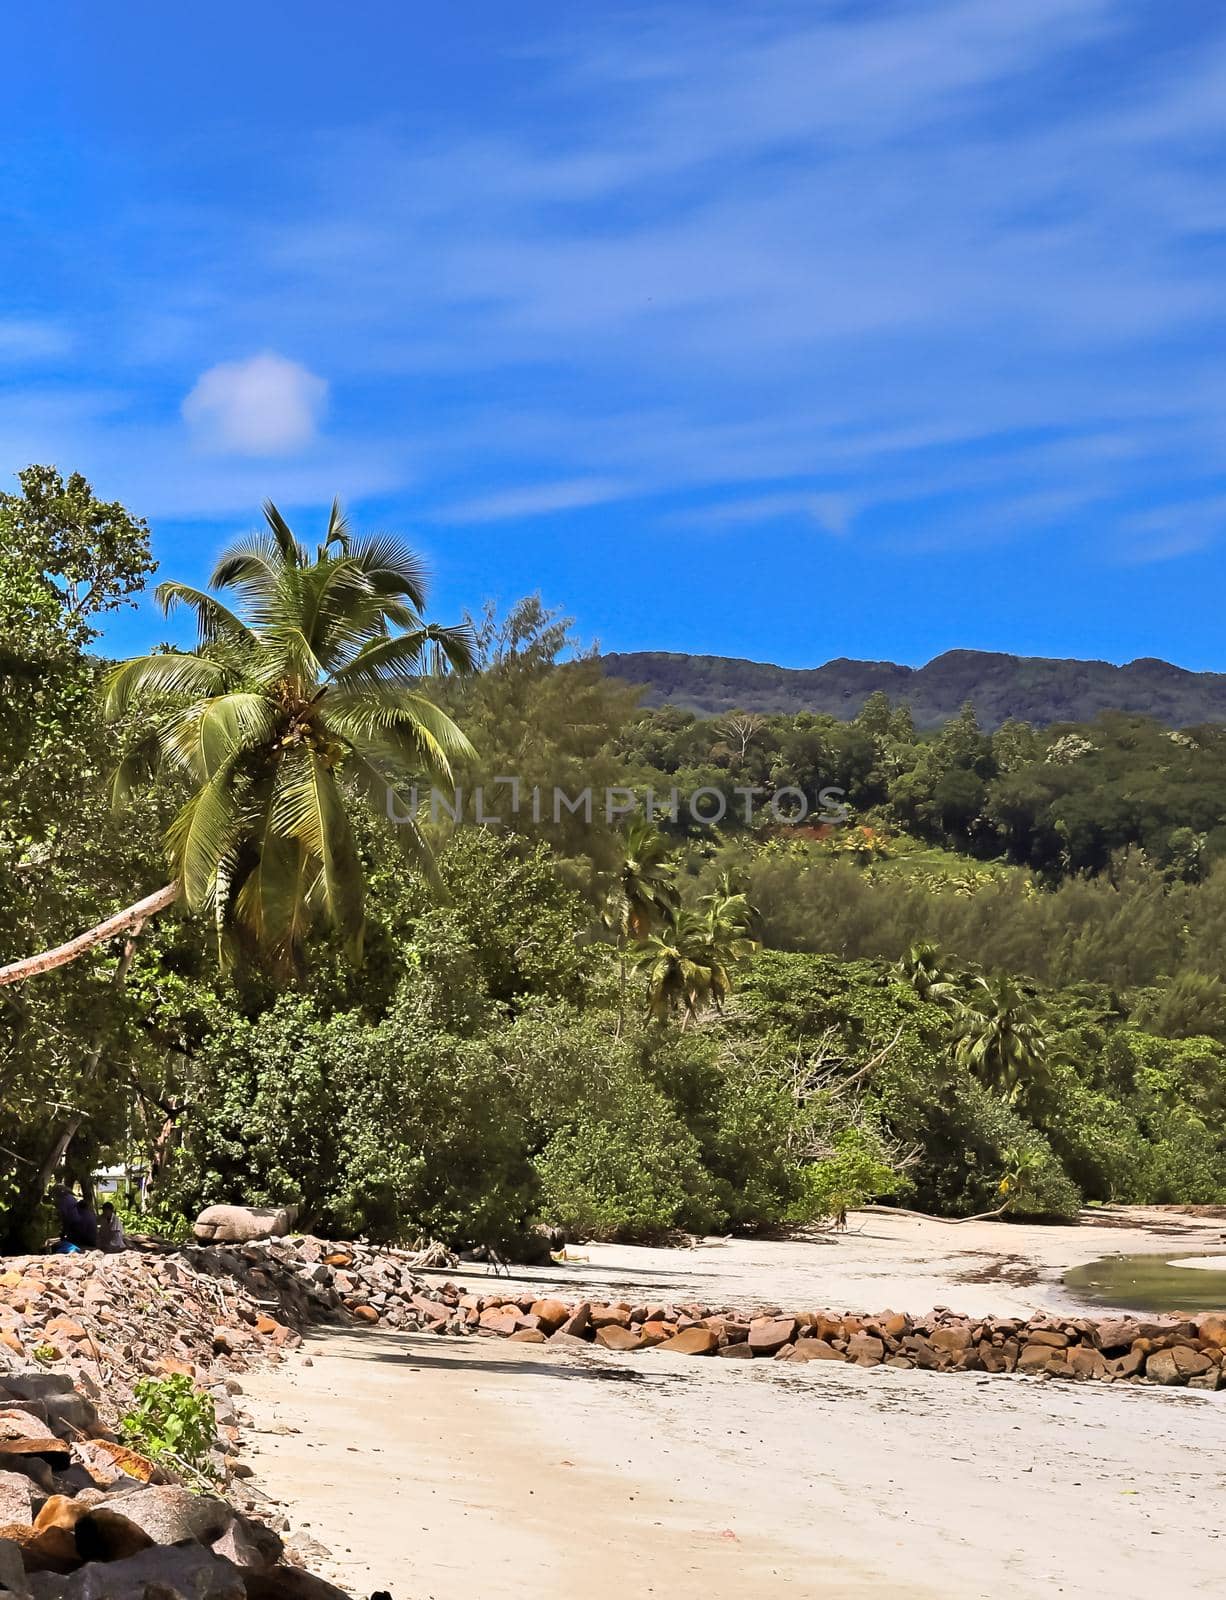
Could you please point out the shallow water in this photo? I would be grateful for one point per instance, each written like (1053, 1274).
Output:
(1149, 1283)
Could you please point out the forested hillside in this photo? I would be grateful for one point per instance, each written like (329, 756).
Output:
(993, 980)
(1026, 688)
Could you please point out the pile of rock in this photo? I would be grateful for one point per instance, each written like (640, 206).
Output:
(83, 1518)
(1165, 1350)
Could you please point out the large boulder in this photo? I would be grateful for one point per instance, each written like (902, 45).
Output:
(241, 1224)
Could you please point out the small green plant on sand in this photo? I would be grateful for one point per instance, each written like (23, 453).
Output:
(46, 1353)
(172, 1421)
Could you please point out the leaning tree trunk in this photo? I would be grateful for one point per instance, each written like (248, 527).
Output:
(131, 918)
(68, 1133)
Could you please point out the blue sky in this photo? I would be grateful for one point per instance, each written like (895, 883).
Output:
(783, 331)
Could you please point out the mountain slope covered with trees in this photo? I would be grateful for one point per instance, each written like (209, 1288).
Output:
(1030, 689)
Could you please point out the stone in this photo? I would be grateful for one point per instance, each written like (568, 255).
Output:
(768, 1336)
(169, 1514)
(550, 1314)
(952, 1339)
(614, 1337)
(695, 1341)
(12, 1569)
(740, 1351)
(865, 1350)
(1162, 1367)
(527, 1336)
(1049, 1337)
(655, 1332)
(16, 1497)
(809, 1349)
(1035, 1358)
(1211, 1380)
(289, 1583)
(1086, 1362)
(1211, 1330)
(1115, 1334)
(167, 1573)
(239, 1224)
(568, 1340)
(499, 1320)
(610, 1317)
(579, 1322)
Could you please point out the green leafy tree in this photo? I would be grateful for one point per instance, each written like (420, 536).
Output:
(283, 719)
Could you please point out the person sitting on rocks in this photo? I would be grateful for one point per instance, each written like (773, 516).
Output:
(87, 1224)
(110, 1231)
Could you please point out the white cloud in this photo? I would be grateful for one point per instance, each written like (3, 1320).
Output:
(539, 499)
(23, 339)
(264, 406)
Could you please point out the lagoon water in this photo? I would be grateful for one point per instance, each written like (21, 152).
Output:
(1152, 1283)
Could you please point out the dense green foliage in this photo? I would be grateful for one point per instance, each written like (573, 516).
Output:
(999, 985)
(172, 1421)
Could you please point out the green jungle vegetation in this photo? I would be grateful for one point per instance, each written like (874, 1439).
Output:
(993, 982)
(1032, 689)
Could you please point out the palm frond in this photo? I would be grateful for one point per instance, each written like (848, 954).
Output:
(163, 676)
(214, 622)
(213, 731)
(203, 835)
(308, 807)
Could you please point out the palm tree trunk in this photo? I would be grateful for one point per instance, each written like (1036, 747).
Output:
(132, 918)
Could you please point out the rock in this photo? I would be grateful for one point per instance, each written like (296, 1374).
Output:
(565, 1340)
(249, 1544)
(527, 1336)
(12, 1569)
(1086, 1362)
(1116, 1333)
(739, 1351)
(239, 1224)
(1049, 1337)
(16, 1497)
(1210, 1380)
(808, 1349)
(695, 1341)
(166, 1573)
(1211, 1330)
(105, 1535)
(652, 1333)
(169, 1514)
(579, 1322)
(1162, 1367)
(865, 1350)
(768, 1336)
(952, 1340)
(550, 1314)
(498, 1319)
(610, 1317)
(1036, 1358)
(613, 1337)
(289, 1583)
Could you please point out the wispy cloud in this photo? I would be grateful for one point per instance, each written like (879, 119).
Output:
(943, 272)
(535, 500)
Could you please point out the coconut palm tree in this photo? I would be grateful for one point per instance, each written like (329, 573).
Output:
(1003, 1040)
(305, 700)
(643, 895)
(924, 969)
(689, 965)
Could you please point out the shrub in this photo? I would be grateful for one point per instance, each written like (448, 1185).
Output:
(173, 1421)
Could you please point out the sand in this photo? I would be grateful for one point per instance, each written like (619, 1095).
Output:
(432, 1467)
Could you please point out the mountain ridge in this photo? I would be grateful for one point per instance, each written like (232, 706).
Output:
(1036, 689)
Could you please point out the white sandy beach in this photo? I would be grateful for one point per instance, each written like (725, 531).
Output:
(431, 1466)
